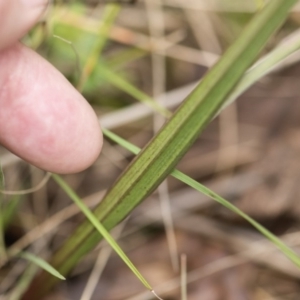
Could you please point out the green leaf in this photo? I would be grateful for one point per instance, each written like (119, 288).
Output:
(42, 264)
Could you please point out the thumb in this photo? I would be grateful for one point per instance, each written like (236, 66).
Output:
(17, 17)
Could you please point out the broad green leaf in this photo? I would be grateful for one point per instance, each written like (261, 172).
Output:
(42, 264)
(161, 155)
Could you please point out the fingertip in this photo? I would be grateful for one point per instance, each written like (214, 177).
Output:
(43, 119)
(17, 17)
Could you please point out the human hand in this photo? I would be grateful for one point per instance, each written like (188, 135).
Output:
(43, 119)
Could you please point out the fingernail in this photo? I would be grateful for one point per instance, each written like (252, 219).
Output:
(34, 3)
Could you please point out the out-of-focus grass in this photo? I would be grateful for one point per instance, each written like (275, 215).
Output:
(41, 263)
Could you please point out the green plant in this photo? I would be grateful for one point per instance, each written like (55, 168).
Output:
(161, 155)
(222, 85)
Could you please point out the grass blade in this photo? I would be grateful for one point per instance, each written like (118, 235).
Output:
(42, 264)
(206, 191)
(110, 12)
(265, 65)
(162, 154)
(91, 217)
(125, 86)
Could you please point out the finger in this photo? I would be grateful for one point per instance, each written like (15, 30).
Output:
(17, 17)
(43, 119)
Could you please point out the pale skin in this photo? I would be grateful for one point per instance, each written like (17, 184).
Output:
(43, 119)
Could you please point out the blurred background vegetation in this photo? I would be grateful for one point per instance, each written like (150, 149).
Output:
(249, 154)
